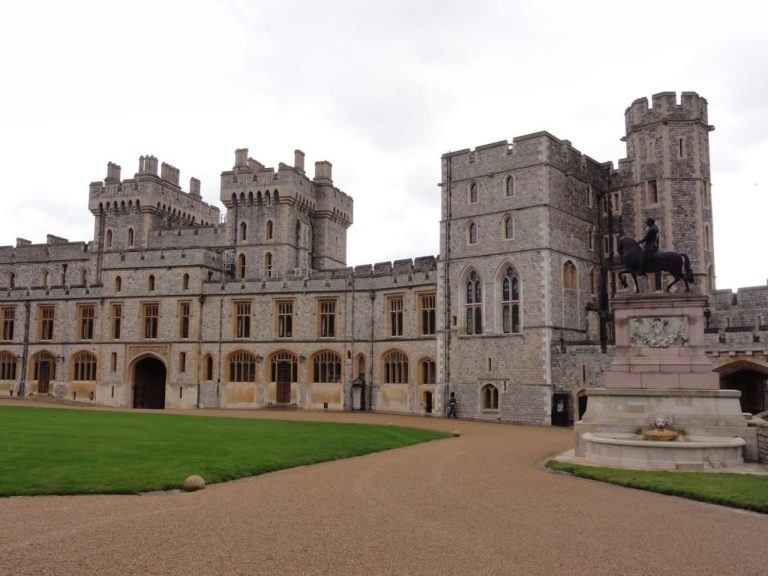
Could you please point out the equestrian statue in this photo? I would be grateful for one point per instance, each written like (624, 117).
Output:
(639, 262)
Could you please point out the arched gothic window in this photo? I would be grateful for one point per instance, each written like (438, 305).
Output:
(118, 283)
(510, 302)
(570, 279)
(242, 367)
(185, 282)
(84, 367)
(151, 284)
(472, 193)
(490, 397)
(474, 304)
(268, 264)
(472, 233)
(241, 266)
(427, 371)
(509, 186)
(109, 240)
(7, 366)
(243, 231)
(209, 367)
(270, 229)
(326, 367)
(509, 228)
(395, 367)
(285, 363)
(130, 237)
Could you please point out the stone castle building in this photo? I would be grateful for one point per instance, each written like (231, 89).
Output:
(169, 307)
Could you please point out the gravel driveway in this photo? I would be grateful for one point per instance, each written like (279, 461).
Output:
(477, 504)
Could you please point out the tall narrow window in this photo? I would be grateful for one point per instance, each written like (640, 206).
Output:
(270, 229)
(285, 319)
(86, 313)
(326, 367)
(185, 282)
(185, 311)
(707, 237)
(474, 303)
(588, 196)
(118, 283)
(268, 264)
(242, 319)
(472, 193)
(151, 313)
(652, 188)
(182, 361)
(46, 322)
(509, 229)
(117, 319)
(9, 321)
(570, 279)
(241, 266)
(209, 367)
(243, 231)
(594, 281)
(472, 233)
(130, 237)
(395, 305)
(509, 187)
(591, 237)
(109, 240)
(395, 367)
(510, 302)
(428, 314)
(44, 278)
(327, 318)
(151, 283)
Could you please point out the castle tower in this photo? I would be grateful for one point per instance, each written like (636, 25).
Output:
(666, 176)
(282, 222)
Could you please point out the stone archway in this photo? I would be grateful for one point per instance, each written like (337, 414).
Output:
(149, 383)
(749, 378)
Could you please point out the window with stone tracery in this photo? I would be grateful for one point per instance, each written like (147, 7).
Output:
(474, 304)
(510, 302)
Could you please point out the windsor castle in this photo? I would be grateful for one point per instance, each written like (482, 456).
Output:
(172, 306)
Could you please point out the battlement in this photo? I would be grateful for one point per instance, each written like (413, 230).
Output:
(147, 191)
(665, 108)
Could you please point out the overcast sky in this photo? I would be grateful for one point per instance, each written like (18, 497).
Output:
(379, 88)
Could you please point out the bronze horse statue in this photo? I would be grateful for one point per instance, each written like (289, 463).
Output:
(633, 260)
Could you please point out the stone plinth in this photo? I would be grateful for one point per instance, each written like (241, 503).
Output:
(660, 369)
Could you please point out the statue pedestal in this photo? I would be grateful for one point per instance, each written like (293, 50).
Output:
(660, 369)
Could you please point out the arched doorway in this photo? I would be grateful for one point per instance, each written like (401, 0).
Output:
(428, 402)
(751, 380)
(149, 383)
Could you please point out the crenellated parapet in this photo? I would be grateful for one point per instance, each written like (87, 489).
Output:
(665, 108)
(150, 192)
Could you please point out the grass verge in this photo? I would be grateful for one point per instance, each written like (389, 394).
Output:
(54, 451)
(746, 491)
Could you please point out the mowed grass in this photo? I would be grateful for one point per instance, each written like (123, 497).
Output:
(55, 451)
(746, 491)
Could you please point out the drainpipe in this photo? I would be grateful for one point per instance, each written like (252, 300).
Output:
(447, 288)
(24, 350)
(218, 375)
(199, 347)
(372, 295)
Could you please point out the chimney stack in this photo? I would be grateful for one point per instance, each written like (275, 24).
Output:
(241, 158)
(113, 173)
(194, 187)
(323, 170)
(298, 160)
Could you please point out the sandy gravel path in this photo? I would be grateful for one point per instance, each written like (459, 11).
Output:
(478, 504)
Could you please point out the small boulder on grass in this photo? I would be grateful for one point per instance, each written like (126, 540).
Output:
(193, 483)
(456, 434)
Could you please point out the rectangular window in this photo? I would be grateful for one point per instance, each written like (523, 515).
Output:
(327, 318)
(284, 319)
(47, 314)
(182, 361)
(9, 319)
(428, 314)
(184, 316)
(653, 192)
(150, 313)
(242, 319)
(606, 245)
(117, 319)
(616, 203)
(113, 362)
(395, 305)
(86, 314)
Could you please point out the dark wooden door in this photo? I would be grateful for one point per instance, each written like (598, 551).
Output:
(284, 383)
(428, 402)
(44, 378)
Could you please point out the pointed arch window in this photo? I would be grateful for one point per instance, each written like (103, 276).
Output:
(490, 397)
(270, 229)
(185, 282)
(570, 279)
(243, 231)
(242, 367)
(326, 367)
(151, 284)
(473, 193)
(130, 237)
(284, 364)
(84, 367)
(472, 233)
(427, 371)
(109, 239)
(268, 264)
(241, 266)
(118, 283)
(509, 227)
(510, 302)
(474, 304)
(209, 367)
(509, 186)
(7, 366)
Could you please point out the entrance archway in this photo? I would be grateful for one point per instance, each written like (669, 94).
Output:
(283, 382)
(751, 380)
(149, 383)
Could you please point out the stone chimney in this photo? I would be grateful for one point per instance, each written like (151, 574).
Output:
(323, 170)
(298, 160)
(169, 173)
(22, 242)
(148, 165)
(113, 173)
(241, 158)
(194, 187)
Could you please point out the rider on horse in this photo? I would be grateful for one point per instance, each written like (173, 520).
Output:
(651, 241)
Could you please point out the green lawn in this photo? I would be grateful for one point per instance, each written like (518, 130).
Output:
(54, 451)
(736, 490)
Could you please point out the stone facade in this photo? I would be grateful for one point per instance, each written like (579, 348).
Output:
(172, 306)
